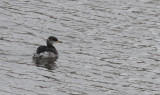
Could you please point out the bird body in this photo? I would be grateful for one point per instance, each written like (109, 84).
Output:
(48, 51)
(43, 48)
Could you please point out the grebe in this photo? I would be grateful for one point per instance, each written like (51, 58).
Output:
(48, 51)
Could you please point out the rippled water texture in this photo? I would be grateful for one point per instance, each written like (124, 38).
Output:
(110, 47)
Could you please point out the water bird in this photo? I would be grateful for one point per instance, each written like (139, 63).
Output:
(48, 51)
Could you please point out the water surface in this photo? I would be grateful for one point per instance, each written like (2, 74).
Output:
(110, 47)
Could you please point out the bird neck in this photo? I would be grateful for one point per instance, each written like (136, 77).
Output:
(49, 44)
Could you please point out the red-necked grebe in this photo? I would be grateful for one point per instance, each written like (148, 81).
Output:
(48, 51)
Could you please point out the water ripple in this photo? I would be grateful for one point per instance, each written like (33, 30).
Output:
(109, 48)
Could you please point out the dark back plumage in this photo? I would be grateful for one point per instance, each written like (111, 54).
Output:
(42, 49)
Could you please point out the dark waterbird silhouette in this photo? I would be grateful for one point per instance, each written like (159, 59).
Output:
(45, 56)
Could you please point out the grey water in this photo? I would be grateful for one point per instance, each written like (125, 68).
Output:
(110, 47)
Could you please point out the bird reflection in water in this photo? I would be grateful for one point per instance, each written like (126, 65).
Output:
(48, 63)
